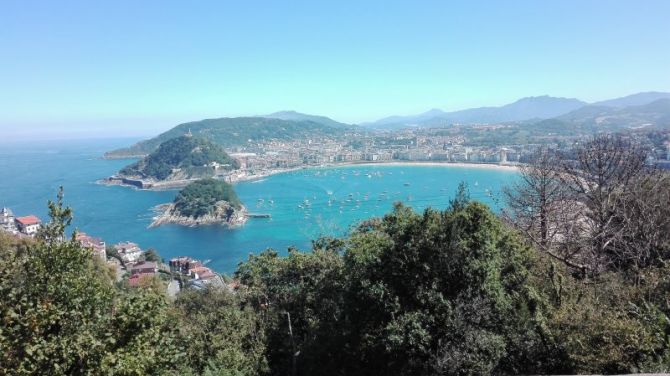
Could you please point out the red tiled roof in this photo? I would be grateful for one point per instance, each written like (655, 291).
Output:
(135, 280)
(207, 274)
(28, 220)
(199, 269)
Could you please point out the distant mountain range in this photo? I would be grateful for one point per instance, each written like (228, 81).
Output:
(639, 99)
(525, 109)
(550, 114)
(656, 112)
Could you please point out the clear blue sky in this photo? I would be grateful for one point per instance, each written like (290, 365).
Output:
(138, 67)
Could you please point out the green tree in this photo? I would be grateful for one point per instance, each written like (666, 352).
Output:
(152, 255)
(54, 304)
(142, 336)
(201, 197)
(299, 299)
(60, 315)
(223, 337)
(61, 218)
(441, 293)
(462, 197)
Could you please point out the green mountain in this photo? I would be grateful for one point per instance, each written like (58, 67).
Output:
(183, 157)
(202, 197)
(297, 116)
(240, 131)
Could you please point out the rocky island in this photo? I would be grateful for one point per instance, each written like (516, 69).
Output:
(203, 202)
(176, 163)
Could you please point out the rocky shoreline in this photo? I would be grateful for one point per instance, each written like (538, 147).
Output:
(144, 184)
(224, 215)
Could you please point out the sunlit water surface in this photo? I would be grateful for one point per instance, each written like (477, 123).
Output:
(303, 204)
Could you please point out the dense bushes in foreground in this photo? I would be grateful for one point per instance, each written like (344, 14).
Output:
(433, 293)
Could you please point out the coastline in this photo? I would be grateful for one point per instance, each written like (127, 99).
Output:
(144, 185)
(491, 166)
(165, 216)
(233, 179)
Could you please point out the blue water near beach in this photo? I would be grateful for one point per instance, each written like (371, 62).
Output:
(303, 204)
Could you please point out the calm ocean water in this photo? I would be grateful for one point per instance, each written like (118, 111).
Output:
(303, 204)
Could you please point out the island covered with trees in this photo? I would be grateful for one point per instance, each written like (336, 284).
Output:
(180, 159)
(204, 202)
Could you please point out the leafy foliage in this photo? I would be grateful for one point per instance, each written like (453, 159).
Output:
(56, 312)
(224, 337)
(435, 293)
(200, 197)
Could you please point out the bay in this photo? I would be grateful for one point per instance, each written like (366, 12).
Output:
(304, 204)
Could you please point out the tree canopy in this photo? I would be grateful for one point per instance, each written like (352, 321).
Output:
(192, 154)
(201, 197)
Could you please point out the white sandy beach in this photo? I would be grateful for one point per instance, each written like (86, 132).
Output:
(491, 166)
(508, 167)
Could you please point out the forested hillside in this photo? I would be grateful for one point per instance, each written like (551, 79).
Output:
(239, 131)
(190, 154)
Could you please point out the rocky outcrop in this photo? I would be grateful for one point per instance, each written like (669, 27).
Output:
(146, 184)
(223, 214)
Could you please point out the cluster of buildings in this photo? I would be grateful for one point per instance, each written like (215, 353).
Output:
(129, 252)
(30, 225)
(137, 268)
(408, 145)
(141, 271)
(23, 226)
(420, 145)
(96, 245)
(131, 255)
(194, 269)
(411, 144)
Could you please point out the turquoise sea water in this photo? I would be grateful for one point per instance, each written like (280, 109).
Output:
(304, 204)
